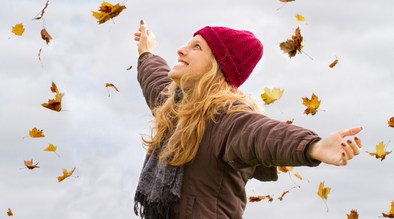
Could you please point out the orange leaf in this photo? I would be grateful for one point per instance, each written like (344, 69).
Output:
(65, 174)
(300, 18)
(285, 169)
(35, 133)
(298, 176)
(130, 68)
(111, 85)
(391, 122)
(259, 198)
(334, 63)
(45, 35)
(290, 122)
(284, 193)
(391, 213)
(323, 192)
(312, 104)
(42, 12)
(9, 213)
(380, 152)
(353, 215)
(292, 46)
(55, 104)
(29, 164)
(108, 11)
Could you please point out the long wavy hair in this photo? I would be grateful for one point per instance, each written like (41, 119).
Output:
(185, 122)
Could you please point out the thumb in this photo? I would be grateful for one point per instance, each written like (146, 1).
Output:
(143, 28)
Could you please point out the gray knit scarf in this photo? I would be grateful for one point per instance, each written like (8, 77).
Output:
(160, 185)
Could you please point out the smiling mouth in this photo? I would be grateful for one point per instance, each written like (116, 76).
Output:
(182, 63)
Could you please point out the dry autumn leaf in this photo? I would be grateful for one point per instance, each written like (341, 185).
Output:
(108, 11)
(285, 1)
(353, 215)
(53, 148)
(334, 63)
(35, 133)
(391, 122)
(9, 213)
(323, 192)
(300, 18)
(65, 174)
(30, 166)
(380, 152)
(285, 169)
(391, 213)
(290, 122)
(45, 35)
(39, 57)
(312, 104)
(259, 198)
(271, 96)
(292, 46)
(284, 193)
(130, 68)
(55, 104)
(18, 30)
(42, 12)
(111, 85)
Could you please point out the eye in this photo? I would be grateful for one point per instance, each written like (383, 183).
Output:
(197, 46)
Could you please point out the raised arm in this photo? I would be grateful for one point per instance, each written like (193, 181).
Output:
(152, 69)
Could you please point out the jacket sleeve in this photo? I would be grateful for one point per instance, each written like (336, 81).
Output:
(153, 78)
(251, 139)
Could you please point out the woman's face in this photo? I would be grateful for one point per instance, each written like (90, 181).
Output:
(193, 61)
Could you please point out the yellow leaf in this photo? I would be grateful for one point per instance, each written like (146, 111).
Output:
(65, 174)
(35, 133)
(298, 176)
(323, 192)
(380, 152)
(285, 169)
(300, 18)
(18, 29)
(54, 104)
(312, 104)
(51, 148)
(271, 96)
(108, 11)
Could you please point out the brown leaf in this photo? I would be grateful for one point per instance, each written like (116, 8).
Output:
(9, 213)
(45, 35)
(284, 193)
(29, 164)
(130, 68)
(111, 85)
(108, 11)
(391, 122)
(353, 215)
(54, 104)
(290, 122)
(259, 198)
(333, 63)
(285, 169)
(391, 213)
(292, 46)
(42, 12)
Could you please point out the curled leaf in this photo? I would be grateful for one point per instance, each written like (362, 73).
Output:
(290, 122)
(391, 213)
(45, 35)
(259, 198)
(130, 68)
(42, 12)
(53, 148)
(391, 122)
(380, 152)
(334, 63)
(292, 46)
(29, 164)
(9, 213)
(65, 174)
(54, 104)
(111, 85)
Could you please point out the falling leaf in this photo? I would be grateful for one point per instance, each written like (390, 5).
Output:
(298, 176)
(35, 133)
(111, 85)
(391, 122)
(130, 68)
(54, 104)
(18, 30)
(323, 192)
(290, 122)
(300, 18)
(45, 35)
(284, 193)
(292, 46)
(285, 1)
(29, 164)
(334, 63)
(65, 174)
(380, 152)
(53, 148)
(312, 104)
(42, 12)
(9, 213)
(353, 215)
(259, 198)
(108, 11)
(271, 96)
(391, 213)
(285, 169)
(39, 57)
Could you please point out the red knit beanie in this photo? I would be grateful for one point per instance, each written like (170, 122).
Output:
(237, 51)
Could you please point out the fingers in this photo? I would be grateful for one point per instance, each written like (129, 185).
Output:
(343, 161)
(349, 132)
(358, 142)
(143, 29)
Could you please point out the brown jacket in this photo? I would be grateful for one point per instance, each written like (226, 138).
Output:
(232, 151)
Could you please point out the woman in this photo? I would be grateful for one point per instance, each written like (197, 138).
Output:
(208, 137)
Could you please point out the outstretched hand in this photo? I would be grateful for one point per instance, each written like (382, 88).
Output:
(334, 149)
(147, 40)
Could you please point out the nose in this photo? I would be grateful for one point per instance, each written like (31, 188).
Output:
(182, 51)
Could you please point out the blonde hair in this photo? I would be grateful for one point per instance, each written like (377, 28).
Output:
(186, 121)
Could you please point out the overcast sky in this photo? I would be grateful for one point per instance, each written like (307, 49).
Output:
(100, 135)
